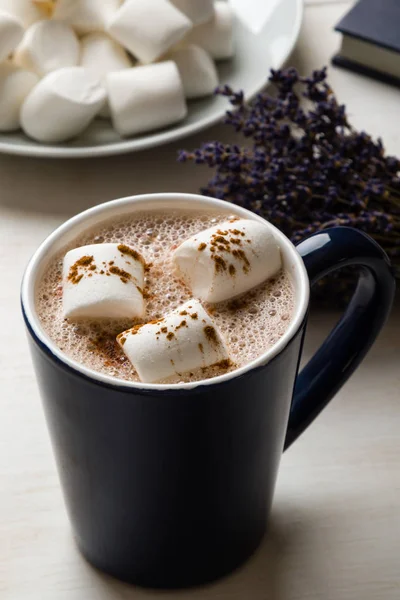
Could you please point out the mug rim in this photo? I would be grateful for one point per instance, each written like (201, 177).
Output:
(78, 221)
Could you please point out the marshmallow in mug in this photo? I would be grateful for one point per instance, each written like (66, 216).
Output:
(11, 33)
(47, 46)
(15, 86)
(184, 340)
(197, 70)
(146, 98)
(228, 259)
(101, 55)
(24, 10)
(148, 29)
(103, 281)
(86, 16)
(198, 11)
(216, 36)
(62, 105)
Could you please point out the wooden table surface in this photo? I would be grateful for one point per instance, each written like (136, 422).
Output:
(335, 524)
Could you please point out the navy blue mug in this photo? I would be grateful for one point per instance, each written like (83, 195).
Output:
(170, 486)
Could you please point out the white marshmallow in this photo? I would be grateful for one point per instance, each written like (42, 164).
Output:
(109, 285)
(228, 259)
(184, 340)
(148, 29)
(11, 33)
(198, 11)
(25, 10)
(48, 46)
(102, 55)
(86, 16)
(197, 70)
(62, 105)
(216, 36)
(146, 98)
(15, 85)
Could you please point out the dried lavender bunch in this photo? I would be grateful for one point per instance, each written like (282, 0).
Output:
(307, 168)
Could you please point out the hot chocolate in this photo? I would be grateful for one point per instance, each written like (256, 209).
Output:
(249, 324)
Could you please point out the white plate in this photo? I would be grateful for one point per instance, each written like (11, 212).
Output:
(255, 55)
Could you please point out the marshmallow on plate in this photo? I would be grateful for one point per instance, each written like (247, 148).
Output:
(62, 105)
(47, 46)
(102, 55)
(11, 33)
(15, 85)
(86, 16)
(103, 281)
(216, 36)
(228, 259)
(146, 98)
(184, 340)
(197, 70)
(198, 11)
(148, 28)
(25, 10)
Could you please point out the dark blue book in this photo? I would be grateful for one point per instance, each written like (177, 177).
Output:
(371, 40)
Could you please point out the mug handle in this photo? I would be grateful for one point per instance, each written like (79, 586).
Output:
(349, 342)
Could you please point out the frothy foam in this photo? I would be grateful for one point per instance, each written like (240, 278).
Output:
(251, 324)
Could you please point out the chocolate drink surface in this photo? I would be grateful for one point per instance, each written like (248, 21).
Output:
(250, 323)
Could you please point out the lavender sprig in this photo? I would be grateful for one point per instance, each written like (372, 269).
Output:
(306, 168)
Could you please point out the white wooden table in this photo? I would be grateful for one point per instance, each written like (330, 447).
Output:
(335, 525)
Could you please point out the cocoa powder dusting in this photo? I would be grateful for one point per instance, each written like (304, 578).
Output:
(123, 275)
(85, 261)
(124, 249)
(241, 255)
(220, 264)
(74, 276)
(219, 239)
(107, 346)
(170, 336)
(121, 339)
(211, 334)
(223, 364)
(134, 330)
